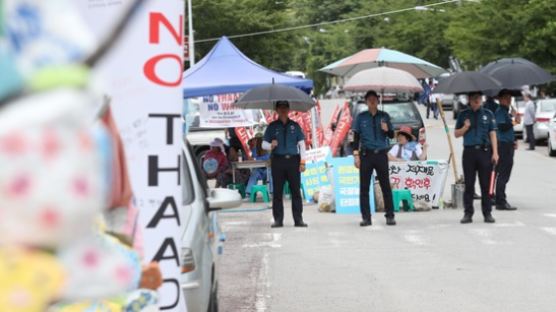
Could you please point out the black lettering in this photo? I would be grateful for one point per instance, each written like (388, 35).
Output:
(169, 125)
(168, 202)
(154, 169)
(168, 242)
(174, 282)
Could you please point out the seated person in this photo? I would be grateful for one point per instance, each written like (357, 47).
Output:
(258, 153)
(225, 177)
(214, 160)
(407, 148)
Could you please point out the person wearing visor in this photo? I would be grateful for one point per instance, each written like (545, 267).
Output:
(507, 143)
(286, 141)
(372, 130)
(407, 149)
(477, 126)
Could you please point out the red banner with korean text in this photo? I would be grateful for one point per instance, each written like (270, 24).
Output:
(329, 132)
(342, 128)
(245, 134)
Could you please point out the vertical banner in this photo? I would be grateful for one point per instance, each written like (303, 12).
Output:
(342, 128)
(143, 76)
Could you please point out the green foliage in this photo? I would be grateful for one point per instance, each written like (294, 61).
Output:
(474, 32)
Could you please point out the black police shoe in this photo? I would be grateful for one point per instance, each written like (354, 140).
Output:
(301, 224)
(390, 221)
(277, 225)
(467, 218)
(505, 206)
(489, 219)
(366, 223)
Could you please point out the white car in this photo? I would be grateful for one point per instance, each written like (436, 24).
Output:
(546, 108)
(202, 239)
(552, 137)
(519, 105)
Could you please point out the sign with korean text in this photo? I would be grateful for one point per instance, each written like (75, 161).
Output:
(346, 186)
(425, 179)
(314, 177)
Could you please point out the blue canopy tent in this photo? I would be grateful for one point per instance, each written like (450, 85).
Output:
(226, 70)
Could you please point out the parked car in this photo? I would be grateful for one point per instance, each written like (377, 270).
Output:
(447, 100)
(519, 105)
(552, 137)
(546, 108)
(201, 238)
(460, 103)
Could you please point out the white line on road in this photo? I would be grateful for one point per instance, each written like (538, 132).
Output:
(485, 236)
(262, 280)
(514, 224)
(276, 237)
(549, 230)
(550, 215)
(414, 237)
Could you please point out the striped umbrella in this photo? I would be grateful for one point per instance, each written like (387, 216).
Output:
(371, 58)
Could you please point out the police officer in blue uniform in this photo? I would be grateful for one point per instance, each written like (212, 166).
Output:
(506, 146)
(285, 138)
(371, 132)
(477, 126)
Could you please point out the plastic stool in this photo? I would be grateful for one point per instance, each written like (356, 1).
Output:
(288, 191)
(399, 195)
(259, 188)
(240, 187)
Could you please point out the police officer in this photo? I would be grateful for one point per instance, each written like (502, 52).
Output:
(285, 138)
(506, 146)
(371, 132)
(477, 126)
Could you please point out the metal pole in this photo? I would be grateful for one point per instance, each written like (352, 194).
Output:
(190, 36)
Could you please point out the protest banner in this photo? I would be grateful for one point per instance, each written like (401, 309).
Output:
(342, 128)
(425, 179)
(346, 186)
(314, 177)
(143, 76)
(317, 154)
(219, 111)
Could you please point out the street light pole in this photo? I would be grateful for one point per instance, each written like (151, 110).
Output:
(190, 36)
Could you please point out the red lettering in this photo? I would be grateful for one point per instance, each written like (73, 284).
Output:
(150, 70)
(155, 19)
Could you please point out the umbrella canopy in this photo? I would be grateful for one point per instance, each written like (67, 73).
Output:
(465, 82)
(513, 73)
(265, 97)
(371, 58)
(383, 79)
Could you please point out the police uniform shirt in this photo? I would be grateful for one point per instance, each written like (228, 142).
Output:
(505, 125)
(482, 122)
(287, 135)
(370, 131)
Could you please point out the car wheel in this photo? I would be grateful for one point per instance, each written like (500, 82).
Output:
(213, 304)
(551, 149)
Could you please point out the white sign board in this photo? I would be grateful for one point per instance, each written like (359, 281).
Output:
(143, 76)
(218, 111)
(425, 179)
(317, 154)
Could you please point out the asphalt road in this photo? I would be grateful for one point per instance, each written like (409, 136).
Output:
(428, 262)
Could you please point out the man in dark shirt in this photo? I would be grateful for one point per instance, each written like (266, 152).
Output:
(477, 126)
(371, 132)
(285, 138)
(506, 146)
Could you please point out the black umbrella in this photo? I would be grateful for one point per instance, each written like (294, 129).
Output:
(265, 97)
(513, 73)
(465, 82)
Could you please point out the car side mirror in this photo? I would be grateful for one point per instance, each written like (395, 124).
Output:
(220, 198)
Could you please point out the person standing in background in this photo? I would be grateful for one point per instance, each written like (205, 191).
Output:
(529, 119)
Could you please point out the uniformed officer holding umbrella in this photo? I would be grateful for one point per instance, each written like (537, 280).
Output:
(285, 138)
(477, 126)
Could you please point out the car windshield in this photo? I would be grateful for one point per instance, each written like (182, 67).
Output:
(401, 113)
(548, 106)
